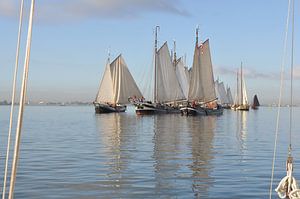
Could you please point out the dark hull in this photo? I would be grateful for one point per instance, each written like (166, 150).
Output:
(151, 109)
(104, 108)
(201, 111)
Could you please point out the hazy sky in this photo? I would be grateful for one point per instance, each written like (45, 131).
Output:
(71, 39)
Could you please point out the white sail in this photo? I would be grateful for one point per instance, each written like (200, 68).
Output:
(217, 91)
(229, 96)
(105, 92)
(222, 92)
(168, 88)
(245, 98)
(195, 88)
(207, 77)
(181, 73)
(117, 84)
(202, 86)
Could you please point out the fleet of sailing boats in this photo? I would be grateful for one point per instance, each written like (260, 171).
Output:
(176, 88)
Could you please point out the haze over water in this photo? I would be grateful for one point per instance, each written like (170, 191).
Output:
(69, 152)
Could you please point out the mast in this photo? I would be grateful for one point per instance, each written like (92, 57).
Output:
(242, 101)
(175, 58)
(155, 66)
(22, 104)
(237, 87)
(197, 35)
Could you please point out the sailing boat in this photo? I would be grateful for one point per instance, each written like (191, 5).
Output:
(116, 86)
(202, 95)
(221, 94)
(241, 100)
(255, 103)
(167, 90)
(229, 96)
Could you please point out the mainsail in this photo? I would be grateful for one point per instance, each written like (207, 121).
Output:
(168, 88)
(117, 83)
(255, 101)
(222, 93)
(202, 86)
(182, 76)
(229, 96)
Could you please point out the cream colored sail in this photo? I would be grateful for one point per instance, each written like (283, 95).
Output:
(168, 88)
(207, 77)
(222, 92)
(229, 96)
(202, 87)
(195, 88)
(117, 84)
(181, 73)
(245, 98)
(105, 92)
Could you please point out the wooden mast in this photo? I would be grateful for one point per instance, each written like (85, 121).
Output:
(155, 65)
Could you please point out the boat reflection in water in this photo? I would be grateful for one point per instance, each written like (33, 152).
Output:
(241, 129)
(182, 152)
(157, 156)
(202, 135)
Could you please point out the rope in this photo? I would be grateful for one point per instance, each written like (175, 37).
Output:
(22, 103)
(280, 99)
(13, 99)
(292, 77)
(288, 186)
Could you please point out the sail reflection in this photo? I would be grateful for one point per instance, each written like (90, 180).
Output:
(167, 142)
(241, 129)
(117, 142)
(202, 135)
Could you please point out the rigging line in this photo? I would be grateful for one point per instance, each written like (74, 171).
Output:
(292, 77)
(280, 98)
(13, 99)
(22, 103)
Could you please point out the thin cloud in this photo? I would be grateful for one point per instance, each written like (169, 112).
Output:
(70, 10)
(254, 74)
(249, 73)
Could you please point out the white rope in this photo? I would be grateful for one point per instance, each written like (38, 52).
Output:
(280, 99)
(288, 186)
(13, 100)
(21, 106)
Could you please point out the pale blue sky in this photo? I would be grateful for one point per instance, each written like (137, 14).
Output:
(71, 39)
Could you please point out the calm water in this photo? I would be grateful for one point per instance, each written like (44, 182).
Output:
(69, 152)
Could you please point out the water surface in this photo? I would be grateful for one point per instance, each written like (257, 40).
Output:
(69, 152)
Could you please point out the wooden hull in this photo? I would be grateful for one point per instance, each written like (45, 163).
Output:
(201, 111)
(105, 108)
(152, 109)
(243, 107)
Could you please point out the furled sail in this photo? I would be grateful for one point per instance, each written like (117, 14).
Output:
(202, 86)
(181, 73)
(117, 84)
(168, 88)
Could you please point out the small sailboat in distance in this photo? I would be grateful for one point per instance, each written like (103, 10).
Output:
(116, 87)
(241, 100)
(255, 103)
